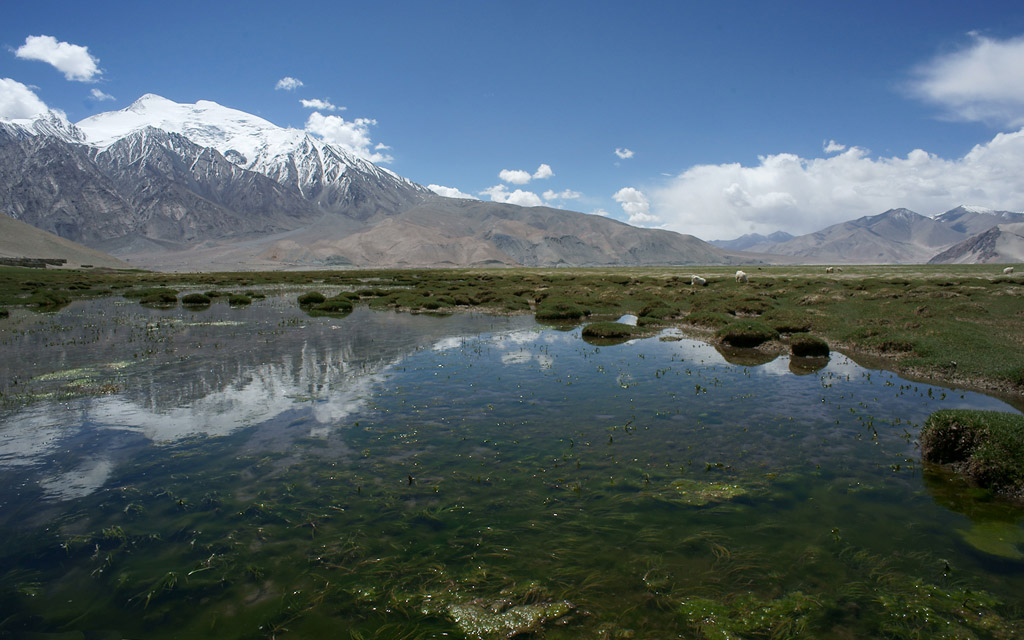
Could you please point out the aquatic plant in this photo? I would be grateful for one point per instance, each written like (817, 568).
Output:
(239, 300)
(985, 446)
(336, 304)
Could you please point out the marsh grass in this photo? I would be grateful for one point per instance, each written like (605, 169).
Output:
(955, 322)
(987, 447)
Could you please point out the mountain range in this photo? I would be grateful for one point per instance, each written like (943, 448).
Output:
(898, 236)
(204, 187)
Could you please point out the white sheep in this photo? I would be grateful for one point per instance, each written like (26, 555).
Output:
(698, 281)
(1008, 270)
(829, 269)
(741, 277)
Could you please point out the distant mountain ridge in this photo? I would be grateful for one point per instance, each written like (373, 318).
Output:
(202, 186)
(897, 236)
(749, 240)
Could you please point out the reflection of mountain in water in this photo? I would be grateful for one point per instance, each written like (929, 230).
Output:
(211, 378)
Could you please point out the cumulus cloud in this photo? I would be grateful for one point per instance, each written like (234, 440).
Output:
(288, 83)
(500, 193)
(73, 60)
(322, 105)
(518, 176)
(99, 96)
(600, 212)
(636, 205)
(450, 192)
(833, 147)
(624, 153)
(567, 194)
(981, 82)
(351, 135)
(514, 176)
(18, 101)
(800, 195)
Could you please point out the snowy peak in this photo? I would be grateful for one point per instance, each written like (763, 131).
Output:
(52, 123)
(973, 220)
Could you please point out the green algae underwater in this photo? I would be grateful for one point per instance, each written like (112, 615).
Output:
(254, 471)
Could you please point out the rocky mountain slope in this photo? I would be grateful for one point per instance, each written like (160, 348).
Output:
(199, 186)
(746, 242)
(1000, 244)
(897, 236)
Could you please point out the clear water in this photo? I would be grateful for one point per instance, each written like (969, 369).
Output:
(256, 472)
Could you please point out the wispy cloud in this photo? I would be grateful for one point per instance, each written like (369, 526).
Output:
(18, 101)
(73, 60)
(288, 83)
(567, 194)
(99, 96)
(321, 105)
(833, 147)
(624, 153)
(983, 81)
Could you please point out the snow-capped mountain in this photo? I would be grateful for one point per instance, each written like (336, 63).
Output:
(202, 186)
(974, 220)
(326, 174)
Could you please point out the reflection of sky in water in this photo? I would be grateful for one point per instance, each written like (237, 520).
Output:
(329, 370)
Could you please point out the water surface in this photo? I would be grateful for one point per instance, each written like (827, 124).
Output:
(256, 472)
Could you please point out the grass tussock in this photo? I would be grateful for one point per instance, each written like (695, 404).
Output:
(805, 345)
(746, 333)
(985, 446)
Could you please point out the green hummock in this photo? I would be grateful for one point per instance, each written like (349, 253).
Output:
(746, 333)
(985, 446)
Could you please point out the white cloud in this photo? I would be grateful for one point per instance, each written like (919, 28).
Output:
(624, 153)
(981, 82)
(568, 194)
(514, 176)
(99, 96)
(635, 204)
(288, 83)
(500, 193)
(18, 101)
(543, 172)
(351, 135)
(450, 192)
(518, 176)
(600, 212)
(833, 147)
(73, 60)
(322, 105)
(800, 195)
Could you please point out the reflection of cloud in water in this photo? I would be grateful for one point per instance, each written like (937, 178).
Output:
(78, 482)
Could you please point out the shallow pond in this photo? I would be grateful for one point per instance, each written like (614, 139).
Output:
(255, 472)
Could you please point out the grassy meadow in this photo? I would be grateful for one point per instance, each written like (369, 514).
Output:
(960, 324)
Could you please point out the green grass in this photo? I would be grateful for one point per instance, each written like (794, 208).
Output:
(746, 333)
(958, 322)
(611, 330)
(195, 299)
(807, 346)
(985, 446)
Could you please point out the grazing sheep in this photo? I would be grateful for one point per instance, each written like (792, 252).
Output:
(839, 269)
(741, 277)
(829, 269)
(1008, 270)
(698, 280)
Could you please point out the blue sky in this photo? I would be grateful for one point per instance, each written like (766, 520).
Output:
(726, 110)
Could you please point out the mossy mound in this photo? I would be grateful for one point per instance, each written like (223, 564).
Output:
(48, 300)
(4, 313)
(559, 310)
(157, 297)
(987, 447)
(195, 299)
(746, 333)
(610, 330)
(311, 298)
(334, 305)
(239, 300)
(805, 345)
